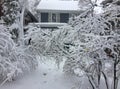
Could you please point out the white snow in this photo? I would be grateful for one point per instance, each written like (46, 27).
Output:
(48, 76)
(58, 5)
(99, 9)
(49, 24)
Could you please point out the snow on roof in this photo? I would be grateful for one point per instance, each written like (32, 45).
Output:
(58, 5)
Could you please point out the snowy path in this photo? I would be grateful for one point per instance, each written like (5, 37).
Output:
(46, 77)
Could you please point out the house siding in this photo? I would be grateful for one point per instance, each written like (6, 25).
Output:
(58, 17)
(49, 17)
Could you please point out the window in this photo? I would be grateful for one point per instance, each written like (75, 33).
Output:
(64, 17)
(53, 17)
(44, 17)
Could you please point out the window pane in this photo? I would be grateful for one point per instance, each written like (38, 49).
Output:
(64, 17)
(44, 17)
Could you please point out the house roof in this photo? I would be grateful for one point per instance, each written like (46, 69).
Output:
(33, 18)
(29, 17)
(58, 5)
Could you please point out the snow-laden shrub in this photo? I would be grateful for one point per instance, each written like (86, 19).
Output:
(47, 41)
(14, 60)
(37, 39)
(97, 47)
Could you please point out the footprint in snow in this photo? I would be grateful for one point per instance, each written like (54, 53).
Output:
(44, 74)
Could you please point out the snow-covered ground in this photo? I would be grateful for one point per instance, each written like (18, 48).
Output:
(47, 76)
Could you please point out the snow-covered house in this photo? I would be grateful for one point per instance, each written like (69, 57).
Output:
(56, 12)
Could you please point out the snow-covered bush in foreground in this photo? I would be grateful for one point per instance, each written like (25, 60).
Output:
(98, 49)
(14, 60)
(47, 42)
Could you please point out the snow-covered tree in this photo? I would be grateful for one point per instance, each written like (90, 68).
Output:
(11, 11)
(14, 60)
(20, 21)
(99, 36)
(14, 16)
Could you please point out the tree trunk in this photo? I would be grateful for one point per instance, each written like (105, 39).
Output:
(106, 80)
(21, 30)
(115, 79)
